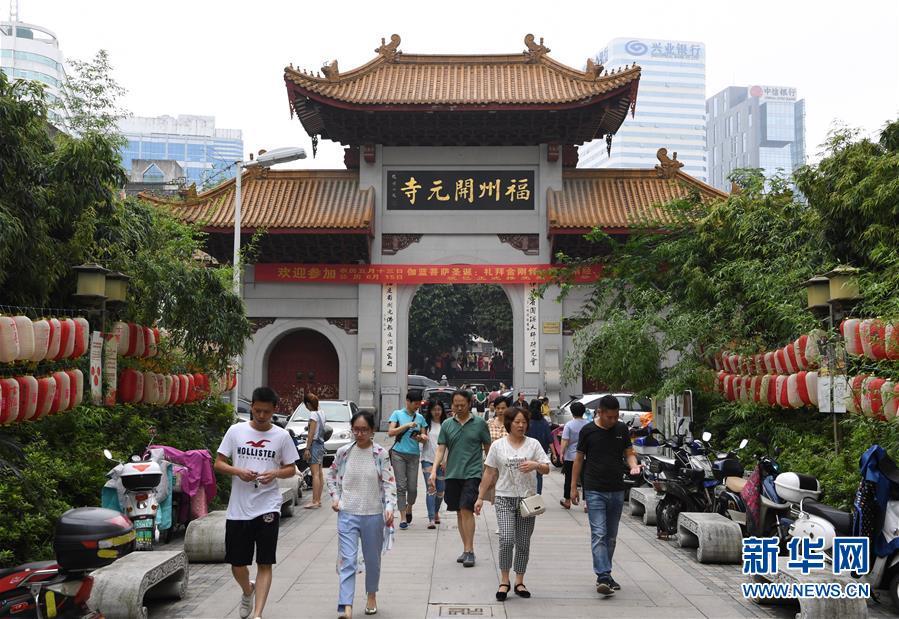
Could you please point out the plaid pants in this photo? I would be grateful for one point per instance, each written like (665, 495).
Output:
(514, 534)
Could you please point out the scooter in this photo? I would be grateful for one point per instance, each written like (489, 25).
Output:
(816, 520)
(305, 471)
(85, 538)
(687, 481)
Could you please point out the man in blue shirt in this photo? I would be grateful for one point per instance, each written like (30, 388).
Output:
(409, 429)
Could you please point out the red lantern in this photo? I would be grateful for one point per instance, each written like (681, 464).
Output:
(854, 401)
(149, 342)
(889, 395)
(891, 335)
(799, 346)
(850, 328)
(76, 380)
(151, 390)
(123, 336)
(9, 340)
(27, 397)
(62, 394)
(66, 339)
(137, 334)
(792, 362)
(41, 329)
(54, 341)
(25, 333)
(872, 402)
(131, 386)
(46, 391)
(174, 392)
(183, 386)
(877, 339)
(811, 387)
(82, 337)
(780, 362)
(783, 398)
(9, 400)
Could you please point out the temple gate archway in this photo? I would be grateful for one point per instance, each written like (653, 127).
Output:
(303, 360)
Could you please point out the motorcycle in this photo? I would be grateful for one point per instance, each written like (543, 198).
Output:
(766, 516)
(85, 539)
(875, 514)
(687, 480)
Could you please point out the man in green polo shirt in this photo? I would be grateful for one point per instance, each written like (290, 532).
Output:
(468, 439)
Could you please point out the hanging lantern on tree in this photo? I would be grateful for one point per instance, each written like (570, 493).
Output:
(791, 363)
(131, 386)
(27, 397)
(811, 386)
(82, 337)
(41, 331)
(76, 382)
(783, 399)
(850, 329)
(854, 400)
(53, 346)
(891, 336)
(9, 400)
(872, 403)
(889, 395)
(9, 340)
(66, 339)
(25, 333)
(123, 337)
(62, 394)
(46, 390)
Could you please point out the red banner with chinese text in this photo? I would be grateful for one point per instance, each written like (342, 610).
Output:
(418, 273)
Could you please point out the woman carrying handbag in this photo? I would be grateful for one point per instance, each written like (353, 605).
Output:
(512, 465)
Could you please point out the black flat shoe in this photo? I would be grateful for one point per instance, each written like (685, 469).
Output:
(521, 591)
(502, 595)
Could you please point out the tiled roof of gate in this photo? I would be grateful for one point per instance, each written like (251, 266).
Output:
(527, 78)
(616, 198)
(272, 199)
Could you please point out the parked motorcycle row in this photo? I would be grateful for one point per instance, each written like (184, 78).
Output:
(145, 500)
(771, 503)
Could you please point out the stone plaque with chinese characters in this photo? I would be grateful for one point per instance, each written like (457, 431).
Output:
(454, 190)
(531, 334)
(388, 328)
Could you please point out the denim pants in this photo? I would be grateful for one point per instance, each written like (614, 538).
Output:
(434, 501)
(405, 468)
(350, 529)
(604, 512)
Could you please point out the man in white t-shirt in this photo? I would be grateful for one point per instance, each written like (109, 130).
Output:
(259, 453)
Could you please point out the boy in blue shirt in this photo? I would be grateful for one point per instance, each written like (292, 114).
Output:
(409, 429)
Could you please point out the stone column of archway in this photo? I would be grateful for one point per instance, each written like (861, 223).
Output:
(255, 360)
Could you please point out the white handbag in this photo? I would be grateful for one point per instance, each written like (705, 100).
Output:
(531, 506)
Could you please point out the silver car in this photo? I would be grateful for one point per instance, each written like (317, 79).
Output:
(338, 414)
(630, 406)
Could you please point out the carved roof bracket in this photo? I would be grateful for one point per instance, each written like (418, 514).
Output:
(528, 244)
(393, 243)
(535, 51)
(668, 166)
(389, 51)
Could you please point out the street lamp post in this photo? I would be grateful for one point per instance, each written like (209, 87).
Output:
(830, 297)
(265, 160)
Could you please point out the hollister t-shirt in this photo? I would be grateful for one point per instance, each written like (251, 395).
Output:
(248, 448)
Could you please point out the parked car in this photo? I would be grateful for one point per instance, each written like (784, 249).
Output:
(338, 414)
(444, 394)
(630, 406)
(243, 412)
(416, 384)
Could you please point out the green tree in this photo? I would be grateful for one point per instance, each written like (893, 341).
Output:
(728, 274)
(91, 97)
(444, 316)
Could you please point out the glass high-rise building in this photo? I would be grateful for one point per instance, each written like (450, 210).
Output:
(202, 149)
(31, 52)
(754, 127)
(670, 110)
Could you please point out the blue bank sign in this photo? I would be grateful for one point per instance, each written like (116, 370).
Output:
(648, 48)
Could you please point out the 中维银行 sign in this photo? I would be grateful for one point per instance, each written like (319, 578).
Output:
(459, 190)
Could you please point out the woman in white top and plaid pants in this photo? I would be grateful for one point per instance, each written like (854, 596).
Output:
(512, 464)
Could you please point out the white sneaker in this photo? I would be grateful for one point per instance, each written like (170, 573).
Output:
(246, 602)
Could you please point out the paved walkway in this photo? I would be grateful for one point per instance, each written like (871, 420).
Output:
(420, 578)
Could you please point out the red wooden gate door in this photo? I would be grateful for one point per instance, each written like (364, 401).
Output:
(301, 361)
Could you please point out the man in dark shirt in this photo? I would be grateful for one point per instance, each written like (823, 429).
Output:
(603, 445)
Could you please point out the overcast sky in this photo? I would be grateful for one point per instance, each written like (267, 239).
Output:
(226, 58)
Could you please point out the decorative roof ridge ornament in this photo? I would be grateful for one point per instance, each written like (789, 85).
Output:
(331, 71)
(535, 52)
(389, 51)
(593, 70)
(668, 166)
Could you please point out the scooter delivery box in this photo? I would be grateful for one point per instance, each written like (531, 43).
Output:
(87, 538)
(793, 487)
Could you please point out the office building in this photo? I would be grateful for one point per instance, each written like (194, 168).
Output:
(670, 110)
(755, 127)
(32, 52)
(200, 148)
